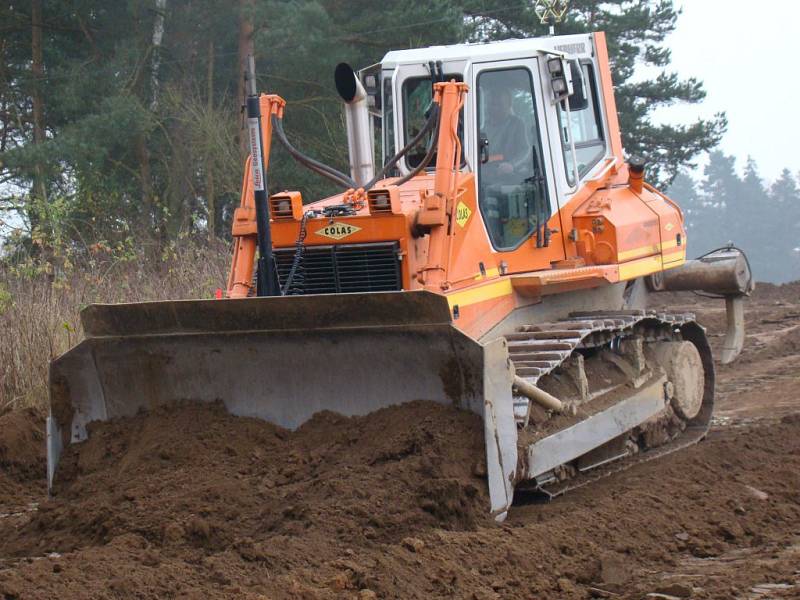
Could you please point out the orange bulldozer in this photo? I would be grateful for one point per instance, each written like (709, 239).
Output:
(491, 249)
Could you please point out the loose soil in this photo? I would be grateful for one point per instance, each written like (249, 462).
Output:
(22, 459)
(190, 502)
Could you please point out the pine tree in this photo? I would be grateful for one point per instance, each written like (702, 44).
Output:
(784, 189)
(715, 227)
(785, 203)
(684, 191)
(108, 149)
(765, 224)
(720, 181)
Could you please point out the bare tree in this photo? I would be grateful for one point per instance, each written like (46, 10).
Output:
(210, 197)
(142, 151)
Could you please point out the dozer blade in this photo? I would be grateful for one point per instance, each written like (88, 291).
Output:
(284, 359)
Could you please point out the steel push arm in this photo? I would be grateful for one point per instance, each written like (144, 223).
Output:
(251, 229)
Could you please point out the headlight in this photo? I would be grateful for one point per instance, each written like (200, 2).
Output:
(555, 66)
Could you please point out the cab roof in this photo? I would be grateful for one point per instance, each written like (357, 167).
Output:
(579, 45)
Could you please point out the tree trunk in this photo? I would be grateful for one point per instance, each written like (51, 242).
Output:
(246, 48)
(158, 35)
(143, 155)
(37, 68)
(142, 150)
(210, 192)
(37, 211)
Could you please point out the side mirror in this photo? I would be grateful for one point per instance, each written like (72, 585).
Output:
(579, 99)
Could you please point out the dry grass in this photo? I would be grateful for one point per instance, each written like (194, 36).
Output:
(39, 314)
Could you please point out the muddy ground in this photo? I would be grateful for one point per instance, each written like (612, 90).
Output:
(193, 503)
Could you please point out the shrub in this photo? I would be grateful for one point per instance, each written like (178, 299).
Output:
(40, 306)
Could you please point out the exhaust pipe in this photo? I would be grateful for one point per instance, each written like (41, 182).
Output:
(359, 137)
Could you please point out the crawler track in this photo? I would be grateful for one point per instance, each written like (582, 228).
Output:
(537, 350)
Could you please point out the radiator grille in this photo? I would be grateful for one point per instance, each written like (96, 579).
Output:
(344, 268)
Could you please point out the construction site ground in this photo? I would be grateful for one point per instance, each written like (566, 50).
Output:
(193, 503)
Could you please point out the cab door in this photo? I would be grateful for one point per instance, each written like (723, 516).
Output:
(515, 182)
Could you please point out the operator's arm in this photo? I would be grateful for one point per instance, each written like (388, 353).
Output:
(519, 146)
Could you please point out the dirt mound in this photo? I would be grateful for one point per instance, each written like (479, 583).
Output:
(194, 474)
(193, 503)
(770, 292)
(22, 456)
(229, 518)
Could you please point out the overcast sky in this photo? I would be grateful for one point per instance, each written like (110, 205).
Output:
(745, 53)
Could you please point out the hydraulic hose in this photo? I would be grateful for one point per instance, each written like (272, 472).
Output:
(425, 160)
(327, 174)
(310, 163)
(430, 124)
(307, 161)
(296, 277)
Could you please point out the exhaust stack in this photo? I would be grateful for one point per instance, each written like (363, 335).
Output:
(359, 138)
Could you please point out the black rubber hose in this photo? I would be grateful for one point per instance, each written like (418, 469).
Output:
(425, 160)
(328, 175)
(432, 122)
(307, 161)
(302, 158)
(313, 165)
(338, 177)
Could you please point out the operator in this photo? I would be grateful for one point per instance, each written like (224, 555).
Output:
(508, 147)
(505, 164)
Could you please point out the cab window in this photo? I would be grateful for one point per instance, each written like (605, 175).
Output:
(417, 102)
(512, 193)
(585, 126)
(387, 119)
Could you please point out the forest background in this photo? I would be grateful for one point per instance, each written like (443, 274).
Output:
(121, 140)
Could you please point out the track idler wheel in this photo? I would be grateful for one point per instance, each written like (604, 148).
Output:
(684, 369)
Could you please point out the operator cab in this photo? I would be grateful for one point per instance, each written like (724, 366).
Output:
(532, 127)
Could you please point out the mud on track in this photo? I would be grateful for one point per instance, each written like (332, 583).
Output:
(193, 503)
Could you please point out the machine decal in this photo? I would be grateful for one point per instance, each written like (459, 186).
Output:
(255, 152)
(337, 231)
(463, 214)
